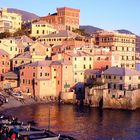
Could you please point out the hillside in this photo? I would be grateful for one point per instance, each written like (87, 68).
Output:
(25, 15)
(89, 29)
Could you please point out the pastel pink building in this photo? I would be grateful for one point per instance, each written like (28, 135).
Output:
(102, 58)
(45, 78)
(4, 62)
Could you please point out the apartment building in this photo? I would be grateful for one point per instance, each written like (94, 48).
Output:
(81, 61)
(10, 46)
(120, 80)
(4, 62)
(65, 18)
(40, 28)
(9, 22)
(121, 45)
(57, 37)
(46, 78)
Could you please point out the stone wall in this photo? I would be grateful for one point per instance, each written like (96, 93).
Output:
(113, 99)
(68, 97)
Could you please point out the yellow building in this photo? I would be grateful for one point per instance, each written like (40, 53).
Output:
(9, 22)
(57, 37)
(41, 28)
(120, 80)
(81, 61)
(121, 45)
(10, 46)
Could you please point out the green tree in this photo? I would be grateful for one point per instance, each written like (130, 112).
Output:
(5, 35)
(81, 32)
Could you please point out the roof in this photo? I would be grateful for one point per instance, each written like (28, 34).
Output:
(25, 38)
(41, 22)
(61, 33)
(24, 55)
(93, 71)
(40, 63)
(10, 75)
(77, 53)
(121, 71)
(3, 52)
(20, 44)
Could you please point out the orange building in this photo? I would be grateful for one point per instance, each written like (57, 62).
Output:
(46, 78)
(4, 62)
(64, 18)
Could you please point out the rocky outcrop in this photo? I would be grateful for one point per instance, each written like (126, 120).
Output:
(130, 100)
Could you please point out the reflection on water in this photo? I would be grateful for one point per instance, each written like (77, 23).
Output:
(84, 123)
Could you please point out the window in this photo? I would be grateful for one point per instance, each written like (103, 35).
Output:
(33, 74)
(75, 73)
(75, 58)
(89, 66)
(10, 48)
(120, 77)
(23, 81)
(37, 31)
(84, 66)
(90, 58)
(40, 74)
(84, 58)
(58, 82)
(43, 31)
(45, 74)
(114, 86)
(114, 77)
(129, 77)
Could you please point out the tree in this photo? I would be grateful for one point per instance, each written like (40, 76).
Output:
(4, 35)
(23, 31)
(81, 32)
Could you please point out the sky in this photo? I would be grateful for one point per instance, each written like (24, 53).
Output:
(105, 14)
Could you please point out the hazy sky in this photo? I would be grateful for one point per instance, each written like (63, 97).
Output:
(106, 14)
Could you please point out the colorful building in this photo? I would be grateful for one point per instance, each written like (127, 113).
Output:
(40, 28)
(9, 21)
(57, 37)
(10, 46)
(4, 62)
(64, 18)
(121, 79)
(46, 78)
(121, 45)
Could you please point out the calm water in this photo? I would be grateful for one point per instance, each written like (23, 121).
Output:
(85, 123)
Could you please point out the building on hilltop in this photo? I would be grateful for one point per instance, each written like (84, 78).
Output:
(64, 18)
(9, 22)
(40, 28)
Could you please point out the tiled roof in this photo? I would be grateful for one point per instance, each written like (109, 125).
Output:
(61, 33)
(24, 55)
(10, 75)
(3, 52)
(40, 63)
(25, 38)
(41, 22)
(92, 71)
(78, 53)
(121, 71)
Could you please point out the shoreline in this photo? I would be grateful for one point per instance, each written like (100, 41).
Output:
(14, 103)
